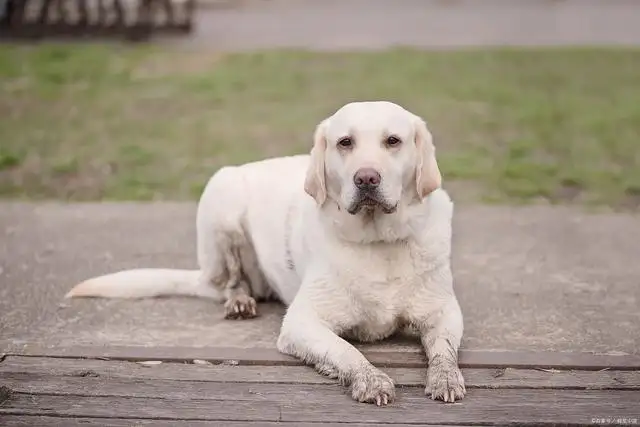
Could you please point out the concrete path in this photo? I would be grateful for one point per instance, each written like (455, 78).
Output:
(374, 24)
(528, 278)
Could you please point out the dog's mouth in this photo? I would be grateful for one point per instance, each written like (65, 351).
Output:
(371, 202)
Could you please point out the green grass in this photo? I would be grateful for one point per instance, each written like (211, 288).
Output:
(93, 122)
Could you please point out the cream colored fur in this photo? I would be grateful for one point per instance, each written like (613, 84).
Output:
(282, 226)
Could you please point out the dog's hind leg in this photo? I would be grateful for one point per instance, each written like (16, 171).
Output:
(222, 245)
(240, 303)
(221, 269)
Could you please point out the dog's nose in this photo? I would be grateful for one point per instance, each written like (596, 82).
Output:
(367, 179)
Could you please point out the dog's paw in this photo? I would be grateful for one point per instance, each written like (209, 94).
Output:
(241, 306)
(445, 382)
(373, 386)
(327, 370)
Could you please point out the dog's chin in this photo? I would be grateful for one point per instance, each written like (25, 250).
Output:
(368, 204)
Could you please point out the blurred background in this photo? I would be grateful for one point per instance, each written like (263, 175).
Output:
(530, 101)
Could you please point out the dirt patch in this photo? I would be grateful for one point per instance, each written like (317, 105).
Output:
(5, 394)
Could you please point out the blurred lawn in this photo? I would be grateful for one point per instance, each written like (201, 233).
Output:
(88, 122)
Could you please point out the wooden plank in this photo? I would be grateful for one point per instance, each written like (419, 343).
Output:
(157, 409)
(168, 389)
(269, 356)
(481, 406)
(44, 421)
(498, 407)
(474, 378)
(176, 390)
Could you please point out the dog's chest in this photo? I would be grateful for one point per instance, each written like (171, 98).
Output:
(381, 282)
(381, 269)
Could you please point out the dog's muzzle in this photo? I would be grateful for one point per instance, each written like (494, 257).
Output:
(367, 182)
(370, 200)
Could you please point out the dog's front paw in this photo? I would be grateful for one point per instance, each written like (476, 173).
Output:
(327, 370)
(241, 306)
(373, 386)
(445, 382)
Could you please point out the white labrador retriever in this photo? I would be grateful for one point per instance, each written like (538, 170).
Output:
(366, 254)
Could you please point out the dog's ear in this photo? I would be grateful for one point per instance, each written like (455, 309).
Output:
(428, 177)
(314, 183)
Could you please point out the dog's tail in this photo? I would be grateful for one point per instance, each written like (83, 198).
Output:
(145, 283)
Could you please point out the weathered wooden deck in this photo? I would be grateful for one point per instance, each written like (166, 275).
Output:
(127, 386)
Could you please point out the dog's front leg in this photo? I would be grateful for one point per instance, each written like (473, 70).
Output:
(441, 335)
(306, 336)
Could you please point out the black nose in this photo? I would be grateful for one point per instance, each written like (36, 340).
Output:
(366, 179)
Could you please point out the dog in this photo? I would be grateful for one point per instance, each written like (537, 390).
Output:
(355, 239)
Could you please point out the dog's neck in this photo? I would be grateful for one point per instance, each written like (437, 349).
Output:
(373, 225)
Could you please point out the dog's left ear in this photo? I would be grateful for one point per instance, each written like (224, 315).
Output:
(314, 183)
(428, 177)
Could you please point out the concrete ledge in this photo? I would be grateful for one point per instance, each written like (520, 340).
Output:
(532, 279)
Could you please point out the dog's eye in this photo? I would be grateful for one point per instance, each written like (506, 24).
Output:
(392, 141)
(345, 142)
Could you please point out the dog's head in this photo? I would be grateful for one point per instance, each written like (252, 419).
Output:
(372, 156)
